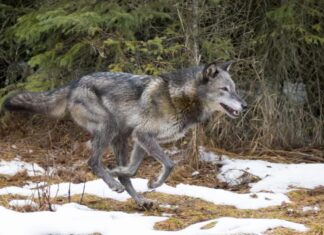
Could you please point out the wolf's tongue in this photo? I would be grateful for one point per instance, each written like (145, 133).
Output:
(230, 110)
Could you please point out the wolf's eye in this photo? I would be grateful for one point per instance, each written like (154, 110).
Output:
(224, 88)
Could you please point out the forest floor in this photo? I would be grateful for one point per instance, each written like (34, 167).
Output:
(47, 188)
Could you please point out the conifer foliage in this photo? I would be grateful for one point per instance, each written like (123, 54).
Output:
(277, 45)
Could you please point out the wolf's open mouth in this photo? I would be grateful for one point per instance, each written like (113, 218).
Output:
(230, 111)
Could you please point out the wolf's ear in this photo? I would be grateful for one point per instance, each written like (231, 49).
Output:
(226, 65)
(210, 71)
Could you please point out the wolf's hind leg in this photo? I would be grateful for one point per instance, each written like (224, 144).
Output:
(120, 150)
(101, 140)
(101, 124)
(151, 146)
(136, 159)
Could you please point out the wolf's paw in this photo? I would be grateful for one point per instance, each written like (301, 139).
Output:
(146, 204)
(117, 187)
(152, 184)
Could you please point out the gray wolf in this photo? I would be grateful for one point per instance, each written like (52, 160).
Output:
(151, 110)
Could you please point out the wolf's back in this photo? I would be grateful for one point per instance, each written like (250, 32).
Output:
(52, 102)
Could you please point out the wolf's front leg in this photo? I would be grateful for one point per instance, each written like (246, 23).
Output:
(151, 146)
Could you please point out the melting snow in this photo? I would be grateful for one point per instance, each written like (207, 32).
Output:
(100, 189)
(73, 218)
(21, 203)
(15, 166)
(311, 208)
(273, 177)
(268, 184)
(228, 225)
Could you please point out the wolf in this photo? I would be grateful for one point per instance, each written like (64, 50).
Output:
(116, 106)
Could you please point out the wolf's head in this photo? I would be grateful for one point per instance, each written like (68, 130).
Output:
(217, 90)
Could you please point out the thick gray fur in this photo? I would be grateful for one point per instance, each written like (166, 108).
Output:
(151, 110)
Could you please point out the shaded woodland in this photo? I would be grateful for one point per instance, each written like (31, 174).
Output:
(278, 47)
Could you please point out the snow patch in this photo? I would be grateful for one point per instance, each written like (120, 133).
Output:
(228, 225)
(272, 177)
(311, 208)
(73, 218)
(210, 156)
(21, 203)
(276, 177)
(224, 197)
(168, 206)
(15, 166)
(195, 173)
(100, 189)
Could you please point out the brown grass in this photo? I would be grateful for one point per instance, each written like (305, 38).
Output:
(66, 151)
(186, 210)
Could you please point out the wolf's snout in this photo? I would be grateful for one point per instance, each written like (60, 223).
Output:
(244, 106)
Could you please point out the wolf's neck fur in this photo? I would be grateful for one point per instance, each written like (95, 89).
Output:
(183, 91)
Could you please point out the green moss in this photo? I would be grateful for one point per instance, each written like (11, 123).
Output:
(209, 225)
(38, 82)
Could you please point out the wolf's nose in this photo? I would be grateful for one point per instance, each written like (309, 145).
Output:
(244, 106)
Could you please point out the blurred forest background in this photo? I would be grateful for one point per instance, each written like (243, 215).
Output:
(278, 47)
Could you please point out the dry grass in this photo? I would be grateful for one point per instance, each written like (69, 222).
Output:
(67, 152)
(272, 121)
(185, 211)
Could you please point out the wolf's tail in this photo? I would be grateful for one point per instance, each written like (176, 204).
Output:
(53, 102)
